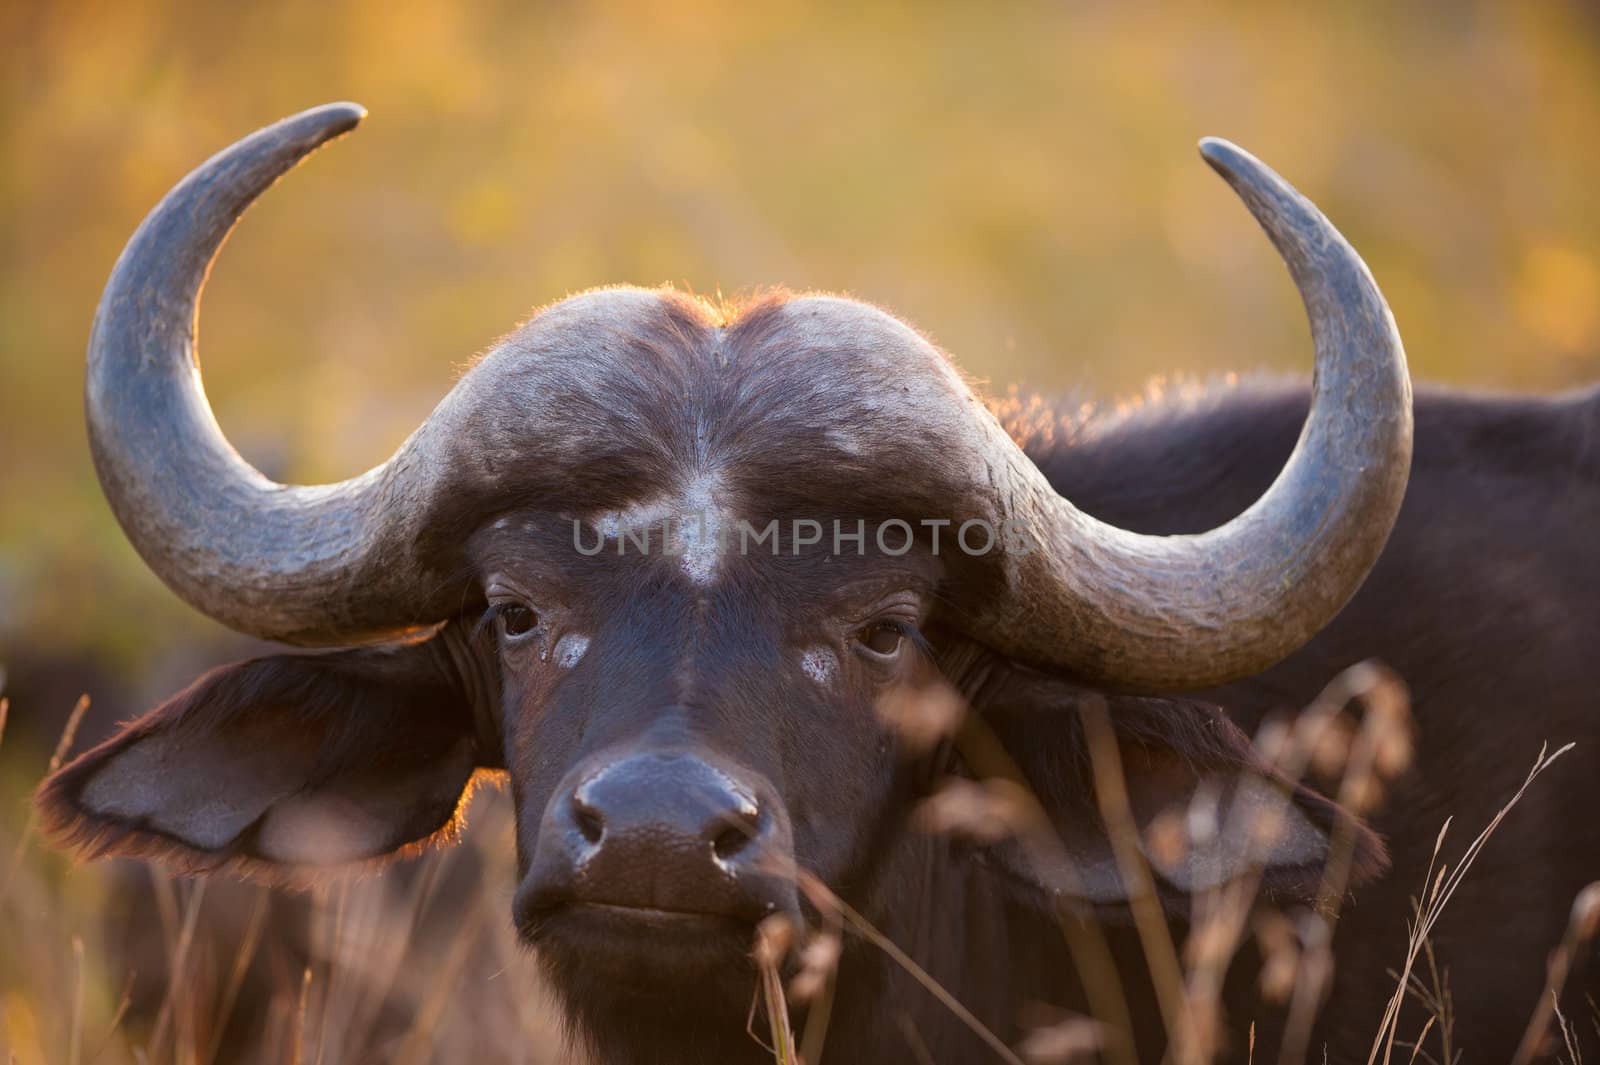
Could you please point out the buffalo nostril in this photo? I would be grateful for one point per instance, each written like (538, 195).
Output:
(731, 840)
(735, 828)
(589, 821)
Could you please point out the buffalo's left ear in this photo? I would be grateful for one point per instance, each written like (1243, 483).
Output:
(281, 765)
(1207, 811)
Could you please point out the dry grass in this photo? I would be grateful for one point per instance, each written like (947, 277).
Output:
(365, 977)
(360, 971)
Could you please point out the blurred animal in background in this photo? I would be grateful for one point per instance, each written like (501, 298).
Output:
(741, 600)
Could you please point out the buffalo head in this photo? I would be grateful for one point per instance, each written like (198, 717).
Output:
(657, 562)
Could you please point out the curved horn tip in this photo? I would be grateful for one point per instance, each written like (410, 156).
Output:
(336, 118)
(1228, 159)
(1292, 221)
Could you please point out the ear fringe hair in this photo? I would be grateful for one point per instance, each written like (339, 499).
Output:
(91, 837)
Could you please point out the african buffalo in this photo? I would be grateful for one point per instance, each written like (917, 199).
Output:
(661, 565)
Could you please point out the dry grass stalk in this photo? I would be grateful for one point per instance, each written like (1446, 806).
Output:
(820, 1011)
(300, 1019)
(1436, 998)
(819, 961)
(1324, 738)
(817, 964)
(1312, 979)
(1568, 1036)
(913, 1038)
(123, 1003)
(1051, 864)
(178, 965)
(1444, 888)
(922, 715)
(241, 964)
(774, 937)
(821, 896)
(1075, 1039)
(1581, 928)
(31, 824)
(75, 1036)
(1155, 936)
(445, 986)
(1382, 749)
(986, 811)
(1422, 1037)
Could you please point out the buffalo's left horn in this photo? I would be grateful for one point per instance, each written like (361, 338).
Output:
(322, 564)
(1185, 612)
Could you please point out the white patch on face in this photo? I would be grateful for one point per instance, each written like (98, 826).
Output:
(570, 649)
(700, 528)
(820, 664)
(609, 525)
(695, 522)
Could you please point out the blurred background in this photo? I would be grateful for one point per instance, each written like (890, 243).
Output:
(1019, 181)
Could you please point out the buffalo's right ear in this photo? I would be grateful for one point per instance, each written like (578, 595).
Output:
(282, 765)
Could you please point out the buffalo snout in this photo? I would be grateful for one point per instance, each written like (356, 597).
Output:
(656, 835)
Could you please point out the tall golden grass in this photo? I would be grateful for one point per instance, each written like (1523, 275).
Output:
(370, 980)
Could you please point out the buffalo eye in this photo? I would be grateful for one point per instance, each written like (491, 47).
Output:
(516, 621)
(881, 639)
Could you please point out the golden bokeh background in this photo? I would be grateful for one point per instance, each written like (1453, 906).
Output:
(1018, 180)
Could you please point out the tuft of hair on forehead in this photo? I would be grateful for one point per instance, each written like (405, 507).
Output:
(673, 372)
(618, 397)
(829, 327)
